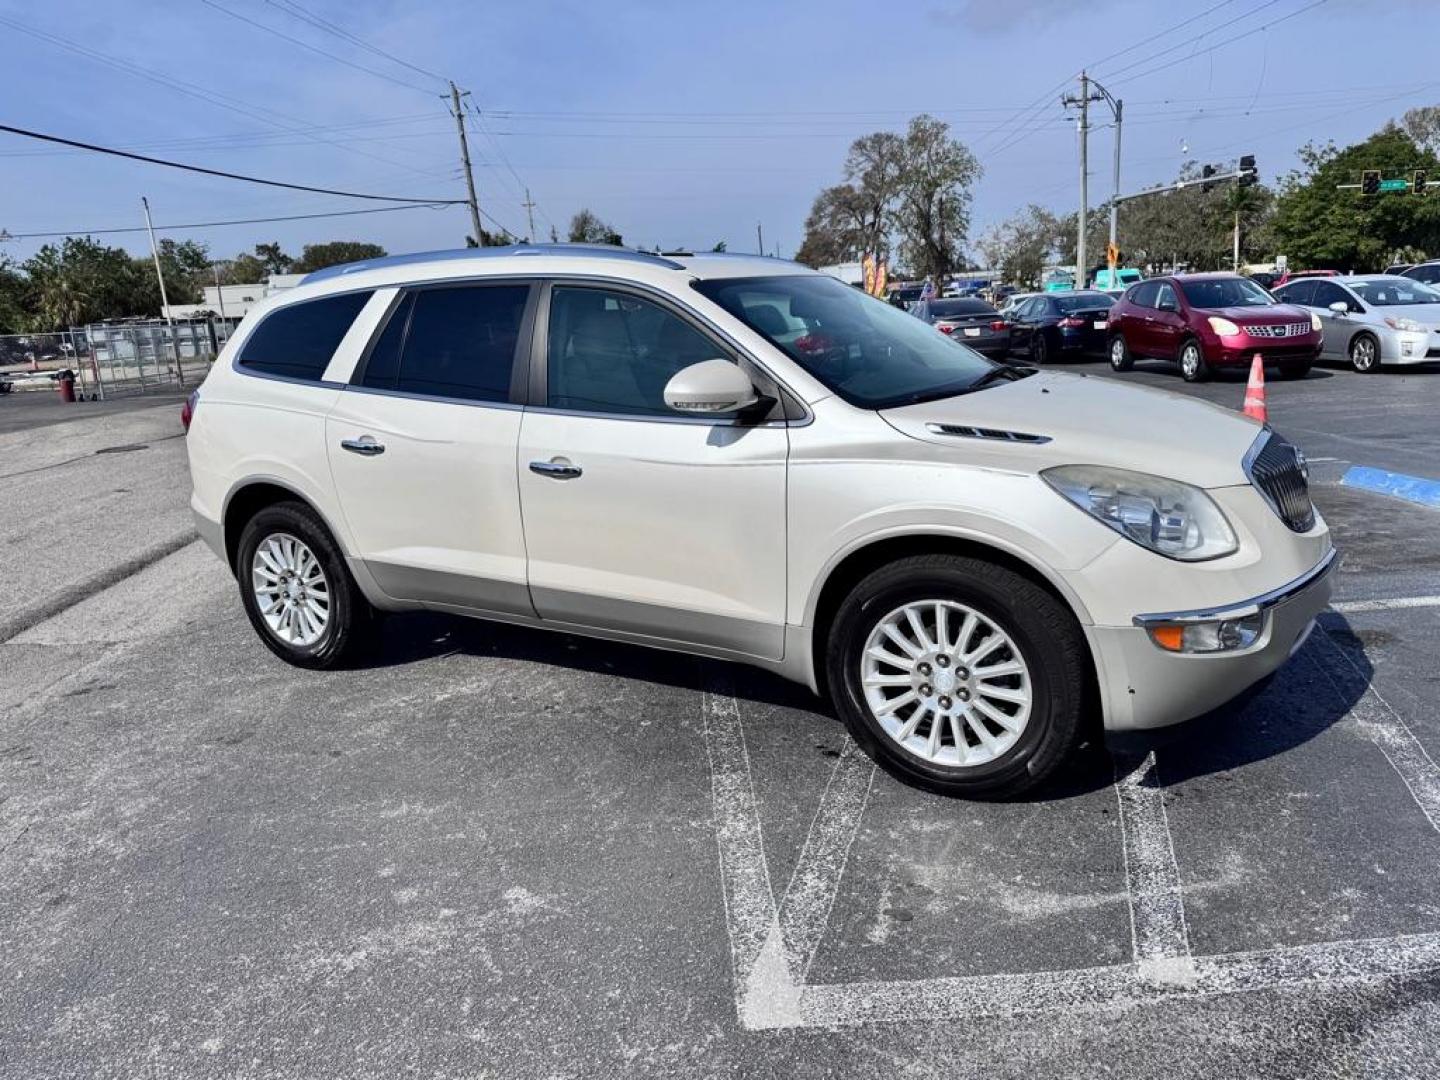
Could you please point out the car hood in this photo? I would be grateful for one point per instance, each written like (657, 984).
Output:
(1087, 421)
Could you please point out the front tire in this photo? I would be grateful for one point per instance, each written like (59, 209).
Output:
(1365, 354)
(958, 675)
(297, 590)
(1120, 358)
(1193, 367)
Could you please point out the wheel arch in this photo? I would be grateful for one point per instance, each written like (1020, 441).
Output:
(850, 568)
(249, 497)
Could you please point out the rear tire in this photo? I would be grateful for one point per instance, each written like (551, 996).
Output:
(1010, 745)
(297, 591)
(1193, 367)
(1120, 358)
(1039, 349)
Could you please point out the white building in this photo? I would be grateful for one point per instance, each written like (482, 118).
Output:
(234, 301)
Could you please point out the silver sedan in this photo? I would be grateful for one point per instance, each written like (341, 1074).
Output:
(1372, 320)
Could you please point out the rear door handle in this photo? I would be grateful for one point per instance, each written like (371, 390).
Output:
(365, 446)
(558, 470)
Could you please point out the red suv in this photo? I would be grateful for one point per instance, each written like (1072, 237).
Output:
(1208, 321)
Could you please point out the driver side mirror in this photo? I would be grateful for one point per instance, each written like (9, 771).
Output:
(709, 387)
(1340, 307)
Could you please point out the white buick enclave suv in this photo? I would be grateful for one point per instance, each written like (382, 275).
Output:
(737, 457)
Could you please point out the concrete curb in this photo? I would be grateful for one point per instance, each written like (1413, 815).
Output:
(55, 603)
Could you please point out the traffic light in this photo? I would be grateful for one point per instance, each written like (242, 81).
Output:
(1248, 173)
(1205, 173)
(1418, 182)
(1370, 182)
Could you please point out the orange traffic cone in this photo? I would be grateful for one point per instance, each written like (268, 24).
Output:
(1255, 391)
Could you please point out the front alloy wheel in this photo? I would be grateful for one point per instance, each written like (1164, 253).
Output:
(1364, 354)
(945, 683)
(958, 675)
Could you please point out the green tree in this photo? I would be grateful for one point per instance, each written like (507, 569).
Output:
(244, 269)
(83, 281)
(1423, 125)
(720, 246)
(319, 256)
(275, 260)
(14, 298)
(1318, 226)
(587, 228)
(1021, 246)
(933, 215)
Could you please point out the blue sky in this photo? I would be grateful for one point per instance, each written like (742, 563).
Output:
(681, 123)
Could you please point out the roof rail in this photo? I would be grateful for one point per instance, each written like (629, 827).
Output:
(602, 251)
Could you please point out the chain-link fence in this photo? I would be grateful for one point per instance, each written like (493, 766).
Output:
(117, 359)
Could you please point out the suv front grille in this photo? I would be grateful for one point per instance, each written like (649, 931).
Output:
(1280, 330)
(1278, 473)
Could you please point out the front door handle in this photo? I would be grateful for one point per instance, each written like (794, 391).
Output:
(558, 470)
(365, 446)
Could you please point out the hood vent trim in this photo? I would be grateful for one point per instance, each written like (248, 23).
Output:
(965, 431)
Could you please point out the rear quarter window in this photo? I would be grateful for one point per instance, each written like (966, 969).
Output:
(297, 341)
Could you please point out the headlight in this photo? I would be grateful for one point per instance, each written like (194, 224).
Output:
(1173, 519)
(1404, 324)
(1223, 327)
(1315, 323)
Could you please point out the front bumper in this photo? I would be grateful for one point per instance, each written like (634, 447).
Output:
(1146, 687)
(1272, 351)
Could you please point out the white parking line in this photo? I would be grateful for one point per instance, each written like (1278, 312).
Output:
(1373, 715)
(771, 948)
(1152, 877)
(1399, 603)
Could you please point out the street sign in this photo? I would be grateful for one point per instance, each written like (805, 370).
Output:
(1394, 185)
(1282, 263)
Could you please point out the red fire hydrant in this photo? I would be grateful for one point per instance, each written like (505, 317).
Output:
(66, 379)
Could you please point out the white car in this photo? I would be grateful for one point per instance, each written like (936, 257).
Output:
(736, 457)
(1371, 320)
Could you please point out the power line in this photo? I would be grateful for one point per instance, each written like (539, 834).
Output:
(293, 9)
(216, 224)
(1163, 33)
(191, 90)
(217, 172)
(316, 49)
(1219, 45)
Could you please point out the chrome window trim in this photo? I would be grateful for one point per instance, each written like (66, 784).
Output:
(352, 388)
(1253, 606)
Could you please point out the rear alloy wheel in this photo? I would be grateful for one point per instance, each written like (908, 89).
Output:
(296, 589)
(1365, 354)
(1192, 362)
(958, 675)
(1120, 358)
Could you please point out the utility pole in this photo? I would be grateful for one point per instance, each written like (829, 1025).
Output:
(465, 160)
(219, 289)
(759, 240)
(164, 300)
(1236, 266)
(1119, 107)
(529, 205)
(1081, 262)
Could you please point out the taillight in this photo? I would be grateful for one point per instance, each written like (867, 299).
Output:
(1070, 322)
(945, 328)
(187, 411)
(999, 324)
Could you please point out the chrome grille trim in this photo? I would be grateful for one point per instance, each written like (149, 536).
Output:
(965, 431)
(1277, 330)
(1273, 466)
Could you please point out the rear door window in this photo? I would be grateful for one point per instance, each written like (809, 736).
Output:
(1301, 292)
(1144, 295)
(452, 342)
(297, 341)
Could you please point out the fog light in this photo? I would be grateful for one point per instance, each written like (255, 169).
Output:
(1221, 635)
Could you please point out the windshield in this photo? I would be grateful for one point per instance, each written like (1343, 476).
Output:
(1225, 292)
(870, 353)
(1084, 301)
(1394, 292)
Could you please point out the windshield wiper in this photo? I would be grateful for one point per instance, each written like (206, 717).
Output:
(1000, 371)
(1011, 374)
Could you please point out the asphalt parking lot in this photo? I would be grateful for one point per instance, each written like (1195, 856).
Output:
(496, 852)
